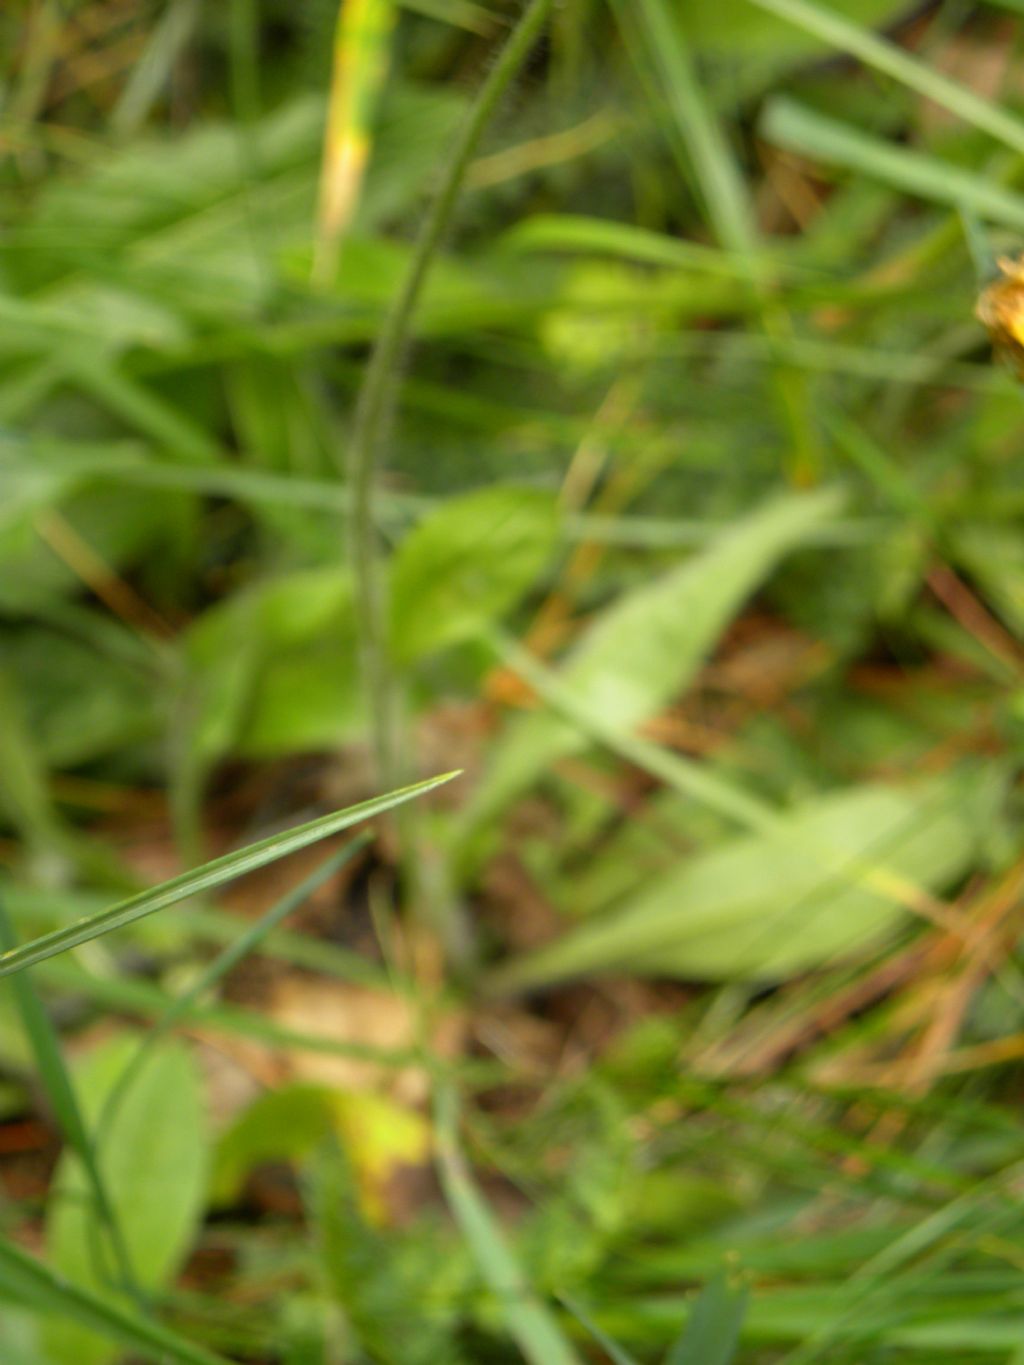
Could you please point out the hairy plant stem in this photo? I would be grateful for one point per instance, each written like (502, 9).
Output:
(377, 394)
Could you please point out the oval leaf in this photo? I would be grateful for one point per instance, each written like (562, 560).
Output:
(466, 564)
(766, 906)
(648, 645)
(153, 1159)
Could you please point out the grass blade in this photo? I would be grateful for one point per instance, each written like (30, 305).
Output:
(143, 999)
(205, 878)
(153, 71)
(612, 1350)
(576, 234)
(462, 14)
(658, 36)
(140, 408)
(225, 960)
(660, 39)
(712, 1333)
(893, 61)
(809, 133)
(642, 650)
(533, 1327)
(360, 62)
(31, 1283)
(691, 779)
(376, 396)
(859, 869)
(61, 1093)
(217, 928)
(24, 795)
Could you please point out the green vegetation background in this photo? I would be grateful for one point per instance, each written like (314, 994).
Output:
(600, 410)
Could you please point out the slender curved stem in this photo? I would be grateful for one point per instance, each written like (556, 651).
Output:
(377, 394)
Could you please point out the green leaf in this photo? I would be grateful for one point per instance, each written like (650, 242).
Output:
(578, 234)
(732, 27)
(820, 885)
(28, 1281)
(153, 1161)
(656, 38)
(647, 647)
(274, 668)
(528, 1321)
(994, 557)
(281, 1125)
(825, 23)
(244, 942)
(467, 563)
(120, 524)
(53, 1074)
(660, 47)
(205, 878)
(809, 133)
(24, 794)
(712, 1333)
(85, 695)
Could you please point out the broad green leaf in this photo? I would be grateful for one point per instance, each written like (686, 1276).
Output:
(153, 1160)
(170, 209)
(291, 609)
(20, 1333)
(378, 1134)
(274, 669)
(467, 563)
(28, 1281)
(637, 850)
(821, 885)
(205, 878)
(646, 647)
(283, 1125)
(305, 701)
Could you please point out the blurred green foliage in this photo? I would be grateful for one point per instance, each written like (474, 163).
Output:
(752, 746)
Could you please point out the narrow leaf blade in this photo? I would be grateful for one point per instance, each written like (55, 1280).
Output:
(207, 877)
